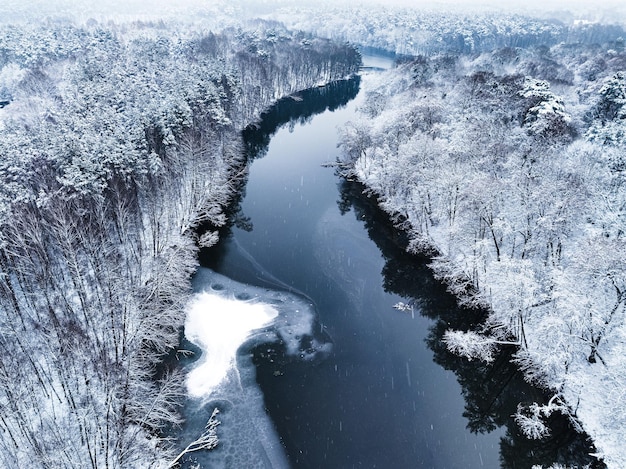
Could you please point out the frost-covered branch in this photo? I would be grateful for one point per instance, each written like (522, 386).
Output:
(530, 418)
(207, 441)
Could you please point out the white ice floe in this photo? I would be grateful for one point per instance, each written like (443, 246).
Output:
(219, 326)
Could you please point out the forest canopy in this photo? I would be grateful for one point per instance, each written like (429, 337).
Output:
(118, 140)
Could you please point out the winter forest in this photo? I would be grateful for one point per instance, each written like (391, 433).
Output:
(118, 141)
(496, 143)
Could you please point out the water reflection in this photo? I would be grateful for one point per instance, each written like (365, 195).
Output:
(491, 391)
(290, 111)
(298, 109)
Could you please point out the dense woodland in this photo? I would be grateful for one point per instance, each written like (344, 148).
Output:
(415, 31)
(508, 167)
(118, 140)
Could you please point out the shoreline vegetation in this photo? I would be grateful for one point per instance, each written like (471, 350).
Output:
(507, 167)
(119, 139)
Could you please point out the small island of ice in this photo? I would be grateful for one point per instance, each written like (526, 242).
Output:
(219, 325)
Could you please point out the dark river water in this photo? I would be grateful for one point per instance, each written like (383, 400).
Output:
(371, 386)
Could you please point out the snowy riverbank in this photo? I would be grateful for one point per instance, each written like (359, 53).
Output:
(521, 196)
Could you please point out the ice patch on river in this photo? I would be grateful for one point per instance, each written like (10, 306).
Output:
(226, 319)
(219, 325)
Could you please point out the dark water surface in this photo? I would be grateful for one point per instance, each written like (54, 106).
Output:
(388, 395)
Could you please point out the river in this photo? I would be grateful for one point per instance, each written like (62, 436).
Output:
(342, 378)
